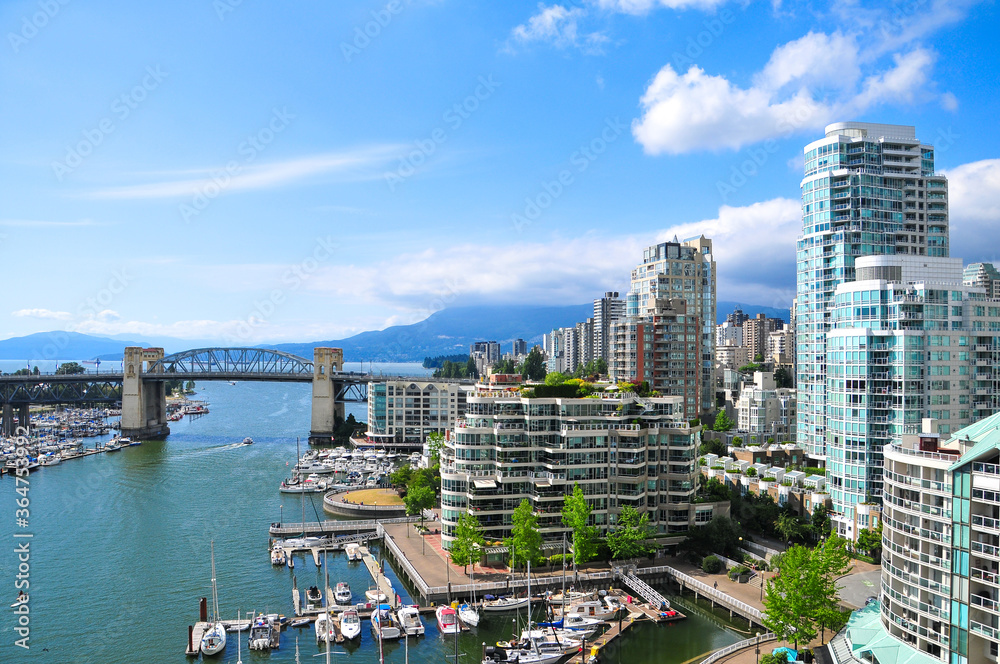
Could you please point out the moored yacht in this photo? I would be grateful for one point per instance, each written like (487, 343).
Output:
(350, 624)
(342, 594)
(447, 619)
(409, 620)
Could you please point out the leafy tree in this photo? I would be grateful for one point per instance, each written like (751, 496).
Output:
(555, 378)
(525, 542)
(438, 361)
(711, 565)
(723, 422)
(783, 378)
(803, 597)
(468, 540)
(758, 358)
(402, 475)
(419, 498)
(820, 522)
(630, 538)
(533, 367)
(714, 446)
(749, 368)
(505, 366)
(576, 515)
(714, 490)
(791, 527)
(70, 368)
(470, 368)
(720, 535)
(435, 441)
(870, 541)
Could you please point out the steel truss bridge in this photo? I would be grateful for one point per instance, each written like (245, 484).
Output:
(224, 364)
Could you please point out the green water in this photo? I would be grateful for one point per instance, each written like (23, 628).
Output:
(120, 549)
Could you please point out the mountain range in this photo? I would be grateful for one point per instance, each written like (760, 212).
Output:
(446, 332)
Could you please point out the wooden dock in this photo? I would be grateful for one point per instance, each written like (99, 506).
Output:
(197, 631)
(381, 581)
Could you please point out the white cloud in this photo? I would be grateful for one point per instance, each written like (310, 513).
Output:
(42, 313)
(695, 111)
(817, 58)
(262, 176)
(949, 101)
(41, 223)
(558, 26)
(974, 207)
(645, 6)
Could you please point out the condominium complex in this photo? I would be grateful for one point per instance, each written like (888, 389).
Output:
(983, 275)
(868, 189)
(908, 341)
(406, 412)
(941, 543)
(607, 310)
(672, 271)
(767, 410)
(621, 449)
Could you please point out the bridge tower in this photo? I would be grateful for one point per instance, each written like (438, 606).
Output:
(144, 401)
(325, 407)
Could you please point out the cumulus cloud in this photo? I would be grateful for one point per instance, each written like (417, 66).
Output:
(815, 59)
(42, 313)
(646, 6)
(559, 26)
(974, 206)
(694, 110)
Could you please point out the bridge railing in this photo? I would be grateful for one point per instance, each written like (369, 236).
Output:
(739, 645)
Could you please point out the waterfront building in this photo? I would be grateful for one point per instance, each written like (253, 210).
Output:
(672, 271)
(403, 411)
(621, 449)
(585, 342)
(983, 275)
(765, 410)
(941, 542)
(606, 310)
(868, 189)
(909, 341)
(663, 348)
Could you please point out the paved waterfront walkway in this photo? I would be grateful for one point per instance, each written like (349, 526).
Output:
(429, 559)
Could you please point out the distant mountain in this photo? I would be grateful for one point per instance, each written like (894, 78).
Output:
(451, 331)
(723, 309)
(59, 345)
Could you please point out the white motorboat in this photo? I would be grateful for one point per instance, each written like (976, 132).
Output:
(314, 598)
(375, 595)
(305, 467)
(50, 459)
(447, 619)
(570, 597)
(519, 655)
(468, 614)
(353, 551)
(343, 594)
(384, 626)
(581, 624)
(247, 441)
(591, 609)
(492, 604)
(311, 484)
(409, 621)
(214, 639)
(277, 555)
(264, 632)
(325, 629)
(612, 604)
(350, 624)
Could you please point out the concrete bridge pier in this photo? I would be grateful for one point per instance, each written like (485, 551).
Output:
(144, 401)
(24, 416)
(325, 408)
(8, 426)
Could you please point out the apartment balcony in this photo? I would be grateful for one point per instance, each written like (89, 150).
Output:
(986, 550)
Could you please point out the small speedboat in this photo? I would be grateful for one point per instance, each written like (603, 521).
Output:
(314, 597)
(353, 551)
(350, 624)
(277, 555)
(324, 628)
(247, 441)
(447, 619)
(342, 594)
(375, 595)
(384, 625)
(409, 620)
(301, 622)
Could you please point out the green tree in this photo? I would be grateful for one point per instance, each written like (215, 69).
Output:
(402, 475)
(630, 539)
(69, 368)
(723, 422)
(555, 378)
(783, 378)
(803, 597)
(712, 446)
(720, 535)
(470, 368)
(820, 522)
(576, 515)
(749, 368)
(419, 498)
(525, 542)
(533, 367)
(870, 541)
(791, 527)
(435, 441)
(504, 366)
(468, 540)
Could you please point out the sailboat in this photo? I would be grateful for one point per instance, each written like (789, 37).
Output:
(239, 641)
(467, 612)
(324, 624)
(533, 648)
(502, 603)
(214, 639)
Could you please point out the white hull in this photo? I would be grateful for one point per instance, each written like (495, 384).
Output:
(350, 625)
(214, 640)
(505, 604)
(324, 629)
(468, 615)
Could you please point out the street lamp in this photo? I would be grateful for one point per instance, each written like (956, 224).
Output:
(758, 648)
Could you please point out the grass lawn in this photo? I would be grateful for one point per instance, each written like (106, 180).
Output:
(374, 497)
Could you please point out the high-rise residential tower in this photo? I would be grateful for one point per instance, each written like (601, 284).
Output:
(607, 310)
(868, 190)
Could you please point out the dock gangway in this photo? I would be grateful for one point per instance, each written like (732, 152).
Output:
(641, 588)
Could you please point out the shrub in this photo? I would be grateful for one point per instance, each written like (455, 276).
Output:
(557, 559)
(770, 478)
(711, 565)
(751, 472)
(736, 572)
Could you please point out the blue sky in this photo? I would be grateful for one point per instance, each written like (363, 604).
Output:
(250, 172)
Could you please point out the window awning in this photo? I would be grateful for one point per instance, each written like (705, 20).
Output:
(484, 484)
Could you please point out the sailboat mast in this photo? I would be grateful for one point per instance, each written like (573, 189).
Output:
(564, 574)
(215, 592)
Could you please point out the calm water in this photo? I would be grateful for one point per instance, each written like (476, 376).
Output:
(120, 553)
